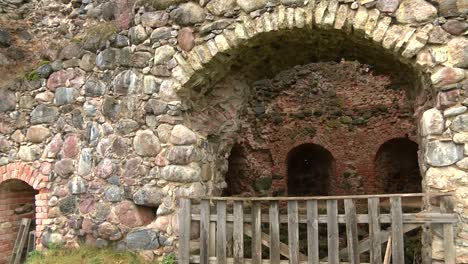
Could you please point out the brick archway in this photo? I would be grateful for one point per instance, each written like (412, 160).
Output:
(39, 182)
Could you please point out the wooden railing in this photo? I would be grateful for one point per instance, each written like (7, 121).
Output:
(227, 223)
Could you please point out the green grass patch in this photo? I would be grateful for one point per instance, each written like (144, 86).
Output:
(89, 255)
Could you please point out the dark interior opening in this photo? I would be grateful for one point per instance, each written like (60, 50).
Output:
(396, 164)
(310, 168)
(237, 172)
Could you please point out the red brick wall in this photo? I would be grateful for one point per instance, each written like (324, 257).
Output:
(21, 184)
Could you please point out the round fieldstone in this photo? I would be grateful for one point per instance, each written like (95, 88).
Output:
(163, 54)
(65, 95)
(5, 39)
(188, 14)
(104, 169)
(67, 205)
(126, 82)
(455, 27)
(154, 19)
(94, 88)
(113, 194)
(156, 107)
(186, 39)
(109, 231)
(77, 185)
(8, 100)
(415, 11)
(176, 173)
(181, 135)
(142, 239)
(85, 162)
(387, 6)
(37, 134)
(443, 153)
(137, 34)
(150, 196)
(220, 7)
(44, 114)
(64, 167)
(460, 123)
(161, 33)
(432, 122)
(181, 154)
(29, 153)
(251, 5)
(44, 71)
(146, 143)
(106, 59)
(458, 52)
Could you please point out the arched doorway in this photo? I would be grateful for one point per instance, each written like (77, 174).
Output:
(17, 201)
(309, 168)
(396, 166)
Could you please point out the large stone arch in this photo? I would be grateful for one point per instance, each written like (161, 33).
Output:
(434, 64)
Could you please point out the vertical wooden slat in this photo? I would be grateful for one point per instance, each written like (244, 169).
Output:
(204, 230)
(256, 233)
(312, 232)
(221, 231)
(449, 245)
(293, 232)
(274, 233)
(398, 249)
(351, 231)
(374, 231)
(184, 228)
(238, 236)
(332, 231)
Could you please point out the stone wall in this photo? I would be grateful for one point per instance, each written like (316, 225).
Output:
(106, 110)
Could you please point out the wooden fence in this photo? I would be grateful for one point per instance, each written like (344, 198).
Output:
(267, 230)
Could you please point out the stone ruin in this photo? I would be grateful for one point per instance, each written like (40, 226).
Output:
(110, 111)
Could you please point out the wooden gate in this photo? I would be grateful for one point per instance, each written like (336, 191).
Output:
(267, 230)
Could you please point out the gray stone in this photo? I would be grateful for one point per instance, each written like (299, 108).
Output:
(93, 133)
(181, 154)
(94, 88)
(456, 110)
(102, 211)
(126, 126)
(142, 239)
(458, 52)
(113, 194)
(44, 114)
(86, 162)
(29, 153)
(188, 14)
(432, 122)
(387, 6)
(151, 84)
(148, 196)
(220, 7)
(137, 34)
(181, 135)
(106, 59)
(65, 95)
(67, 205)
(77, 185)
(175, 173)
(164, 132)
(88, 62)
(104, 169)
(154, 19)
(146, 143)
(44, 71)
(163, 54)
(49, 239)
(455, 27)
(5, 145)
(120, 41)
(64, 167)
(156, 107)
(8, 100)
(216, 25)
(126, 82)
(37, 134)
(251, 5)
(140, 59)
(111, 108)
(415, 11)
(5, 39)
(460, 123)
(443, 153)
(72, 50)
(161, 33)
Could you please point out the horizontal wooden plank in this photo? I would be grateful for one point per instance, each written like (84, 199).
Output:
(305, 198)
(196, 259)
(416, 218)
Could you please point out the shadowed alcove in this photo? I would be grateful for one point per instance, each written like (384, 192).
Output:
(309, 167)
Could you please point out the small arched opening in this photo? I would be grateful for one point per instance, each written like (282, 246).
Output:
(396, 165)
(17, 201)
(309, 168)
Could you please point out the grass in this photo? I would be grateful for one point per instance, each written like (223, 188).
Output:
(89, 255)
